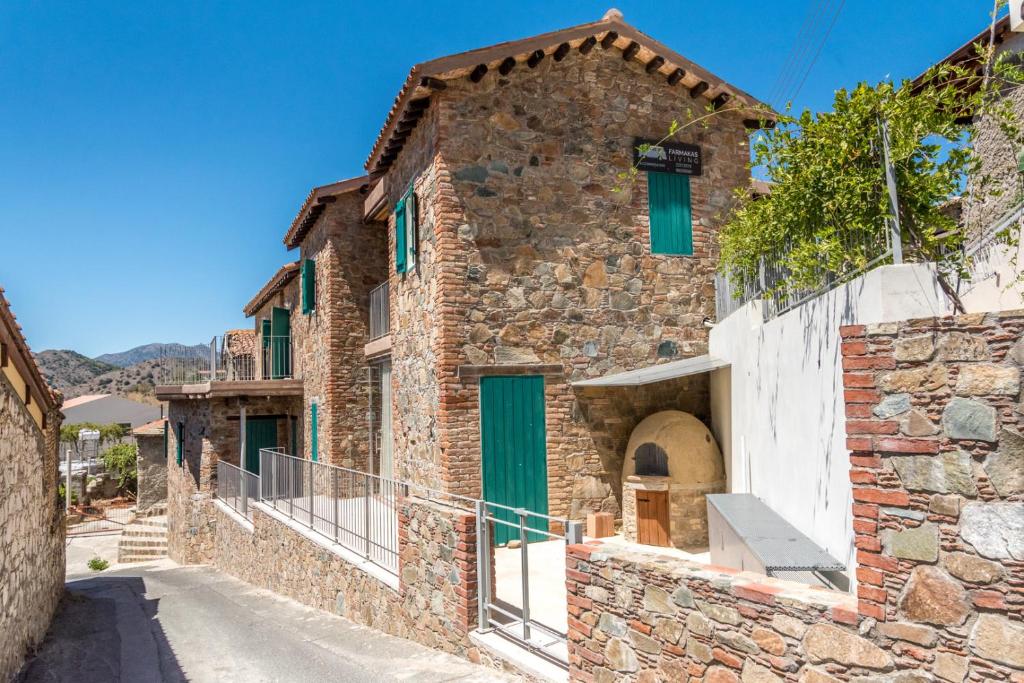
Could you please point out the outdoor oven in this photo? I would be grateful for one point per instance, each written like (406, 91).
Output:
(672, 462)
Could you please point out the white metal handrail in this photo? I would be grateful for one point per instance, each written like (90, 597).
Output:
(237, 487)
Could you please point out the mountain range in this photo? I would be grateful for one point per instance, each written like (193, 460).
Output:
(127, 373)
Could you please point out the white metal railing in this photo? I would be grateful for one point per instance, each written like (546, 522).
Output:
(772, 282)
(237, 487)
(499, 612)
(272, 358)
(355, 509)
(277, 357)
(380, 312)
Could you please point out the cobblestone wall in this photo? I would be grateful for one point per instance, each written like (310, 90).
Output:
(435, 603)
(31, 529)
(152, 464)
(937, 468)
(528, 256)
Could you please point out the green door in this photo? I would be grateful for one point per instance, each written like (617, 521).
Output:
(280, 344)
(260, 432)
(514, 451)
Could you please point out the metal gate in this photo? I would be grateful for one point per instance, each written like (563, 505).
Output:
(522, 593)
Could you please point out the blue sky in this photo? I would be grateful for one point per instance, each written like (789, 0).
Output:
(153, 154)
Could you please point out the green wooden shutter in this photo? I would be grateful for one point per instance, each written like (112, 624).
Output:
(313, 440)
(181, 443)
(400, 236)
(281, 343)
(265, 332)
(512, 440)
(308, 272)
(411, 235)
(668, 202)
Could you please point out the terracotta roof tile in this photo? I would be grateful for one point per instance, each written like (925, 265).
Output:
(12, 331)
(281, 278)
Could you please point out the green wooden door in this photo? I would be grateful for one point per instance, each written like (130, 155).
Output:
(668, 199)
(280, 344)
(260, 432)
(515, 471)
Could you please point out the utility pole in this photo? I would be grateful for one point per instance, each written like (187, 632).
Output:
(894, 203)
(67, 481)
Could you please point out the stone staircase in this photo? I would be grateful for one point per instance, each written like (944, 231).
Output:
(145, 538)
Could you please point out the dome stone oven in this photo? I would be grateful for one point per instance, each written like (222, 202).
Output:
(671, 463)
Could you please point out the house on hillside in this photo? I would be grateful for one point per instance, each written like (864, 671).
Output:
(485, 265)
(31, 514)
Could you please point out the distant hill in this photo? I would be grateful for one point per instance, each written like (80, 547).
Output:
(64, 369)
(135, 382)
(153, 351)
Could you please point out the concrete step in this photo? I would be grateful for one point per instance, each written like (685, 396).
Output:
(143, 531)
(143, 545)
(156, 521)
(126, 559)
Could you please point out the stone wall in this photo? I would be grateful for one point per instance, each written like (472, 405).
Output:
(435, 603)
(998, 157)
(350, 260)
(212, 430)
(938, 501)
(31, 528)
(152, 464)
(528, 256)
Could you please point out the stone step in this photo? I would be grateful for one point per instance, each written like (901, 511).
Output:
(125, 559)
(130, 531)
(158, 521)
(143, 544)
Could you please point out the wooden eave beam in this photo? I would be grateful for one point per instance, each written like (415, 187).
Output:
(535, 58)
(587, 45)
(758, 124)
(654, 64)
(676, 76)
(507, 65)
(561, 51)
(478, 73)
(433, 83)
(609, 39)
(720, 101)
(699, 89)
(631, 51)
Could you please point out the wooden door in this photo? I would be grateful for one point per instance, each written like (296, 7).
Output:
(514, 451)
(260, 432)
(652, 518)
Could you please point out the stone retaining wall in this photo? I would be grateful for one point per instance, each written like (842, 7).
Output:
(31, 528)
(435, 603)
(937, 467)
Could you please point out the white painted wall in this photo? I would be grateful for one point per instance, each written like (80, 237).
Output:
(778, 411)
(995, 283)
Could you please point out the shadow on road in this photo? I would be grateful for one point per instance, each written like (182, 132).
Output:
(105, 629)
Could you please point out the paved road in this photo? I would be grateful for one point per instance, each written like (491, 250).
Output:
(161, 622)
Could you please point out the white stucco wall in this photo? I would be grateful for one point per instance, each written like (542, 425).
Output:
(995, 283)
(778, 411)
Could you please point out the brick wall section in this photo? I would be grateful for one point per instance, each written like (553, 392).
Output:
(31, 528)
(435, 604)
(527, 255)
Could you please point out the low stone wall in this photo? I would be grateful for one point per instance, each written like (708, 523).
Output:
(31, 528)
(435, 603)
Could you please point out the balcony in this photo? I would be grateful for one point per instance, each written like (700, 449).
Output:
(380, 322)
(238, 363)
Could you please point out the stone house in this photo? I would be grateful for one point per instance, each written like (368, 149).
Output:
(31, 513)
(506, 254)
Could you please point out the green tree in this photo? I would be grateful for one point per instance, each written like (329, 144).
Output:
(109, 433)
(122, 460)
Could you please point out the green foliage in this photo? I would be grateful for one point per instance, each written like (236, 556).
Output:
(122, 460)
(108, 432)
(61, 493)
(98, 564)
(828, 210)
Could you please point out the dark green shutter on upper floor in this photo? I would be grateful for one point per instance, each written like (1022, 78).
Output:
(308, 274)
(400, 236)
(181, 443)
(668, 201)
(265, 331)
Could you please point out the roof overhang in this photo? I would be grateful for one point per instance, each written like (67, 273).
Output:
(610, 32)
(315, 204)
(281, 278)
(656, 373)
(965, 55)
(16, 351)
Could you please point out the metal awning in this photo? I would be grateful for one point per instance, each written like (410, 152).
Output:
(656, 373)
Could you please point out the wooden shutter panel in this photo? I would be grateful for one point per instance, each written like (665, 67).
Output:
(308, 285)
(411, 228)
(181, 443)
(265, 333)
(668, 201)
(400, 236)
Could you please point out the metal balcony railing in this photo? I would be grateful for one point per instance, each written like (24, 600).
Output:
(262, 358)
(380, 312)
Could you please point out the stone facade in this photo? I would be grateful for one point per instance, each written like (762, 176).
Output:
(31, 527)
(152, 467)
(350, 261)
(527, 255)
(212, 432)
(999, 163)
(936, 468)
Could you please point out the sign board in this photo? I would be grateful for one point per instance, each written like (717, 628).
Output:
(1017, 15)
(667, 157)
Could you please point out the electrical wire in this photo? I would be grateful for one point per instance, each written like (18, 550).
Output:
(810, 25)
(821, 45)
